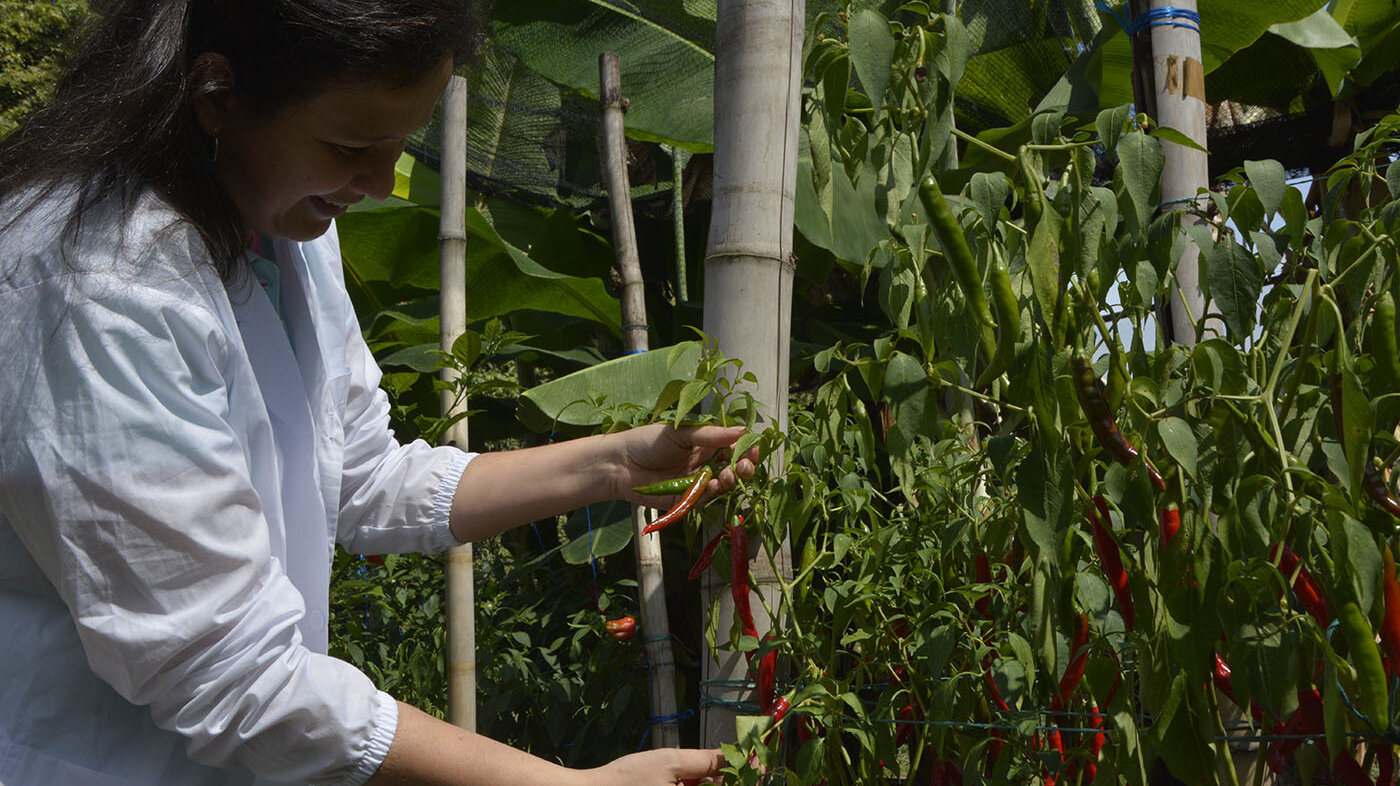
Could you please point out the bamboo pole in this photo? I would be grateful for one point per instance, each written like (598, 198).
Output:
(749, 270)
(655, 623)
(1177, 99)
(452, 238)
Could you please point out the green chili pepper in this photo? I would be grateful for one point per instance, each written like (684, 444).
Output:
(1008, 322)
(1381, 343)
(1371, 684)
(667, 488)
(959, 256)
(1034, 205)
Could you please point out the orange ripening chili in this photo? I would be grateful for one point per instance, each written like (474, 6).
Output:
(684, 504)
(1091, 399)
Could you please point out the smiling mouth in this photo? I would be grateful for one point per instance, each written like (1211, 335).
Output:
(333, 209)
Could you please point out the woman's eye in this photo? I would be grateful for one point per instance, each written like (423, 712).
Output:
(351, 150)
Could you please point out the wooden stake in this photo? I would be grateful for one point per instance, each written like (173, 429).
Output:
(655, 623)
(452, 239)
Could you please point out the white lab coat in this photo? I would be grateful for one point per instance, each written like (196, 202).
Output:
(172, 481)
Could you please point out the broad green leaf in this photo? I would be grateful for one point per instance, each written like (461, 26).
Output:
(872, 48)
(1229, 26)
(677, 109)
(514, 129)
(1331, 47)
(1269, 182)
(635, 380)
(597, 531)
(396, 243)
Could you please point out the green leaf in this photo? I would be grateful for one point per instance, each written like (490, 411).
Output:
(422, 358)
(872, 48)
(1169, 134)
(1110, 123)
(906, 389)
(989, 191)
(1140, 160)
(1236, 279)
(1180, 442)
(1043, 258)
(1269, 182)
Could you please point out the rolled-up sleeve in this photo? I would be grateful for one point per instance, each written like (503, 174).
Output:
(394, 498)
(123, 474)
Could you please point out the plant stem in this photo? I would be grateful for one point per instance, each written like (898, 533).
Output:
(975, 142)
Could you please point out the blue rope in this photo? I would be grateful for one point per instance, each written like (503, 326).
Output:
(1166, 16)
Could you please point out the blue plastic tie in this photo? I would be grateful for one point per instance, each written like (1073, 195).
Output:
(1166, 16)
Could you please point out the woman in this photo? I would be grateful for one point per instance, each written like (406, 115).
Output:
(187, 425)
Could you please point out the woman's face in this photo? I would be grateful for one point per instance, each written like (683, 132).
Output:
(290, 174)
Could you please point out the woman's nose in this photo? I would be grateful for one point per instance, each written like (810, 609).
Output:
(376, 179)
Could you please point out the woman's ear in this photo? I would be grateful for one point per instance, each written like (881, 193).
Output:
(211, 91)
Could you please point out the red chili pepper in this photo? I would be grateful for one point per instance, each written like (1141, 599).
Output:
(1112, 561)
(739, 577)
(1078, 657)
(707, 555)
(1373, 481)
(1221, 677)
(779, 710)
(1057, 745)
(1282, 750)
(1169, 519)
(684, 504)
(622, 629)
(1096, 743)
(904, 729)
(1092, 400)
(1348, 772)
(1304, 585)
(982, 572)
(1390, 621)
(946, 773)
(767, 668)
(995, 693)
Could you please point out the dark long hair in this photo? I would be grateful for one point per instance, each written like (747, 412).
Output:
(120, 121)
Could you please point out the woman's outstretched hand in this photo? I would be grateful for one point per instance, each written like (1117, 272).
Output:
(658, 452)
(660, 767)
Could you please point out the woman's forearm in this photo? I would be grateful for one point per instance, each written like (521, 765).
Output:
(430, 752)
(499, 491)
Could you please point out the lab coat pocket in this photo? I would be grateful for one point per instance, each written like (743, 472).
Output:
(24, 766)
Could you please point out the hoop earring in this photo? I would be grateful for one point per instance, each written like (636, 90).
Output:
(215, 157)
